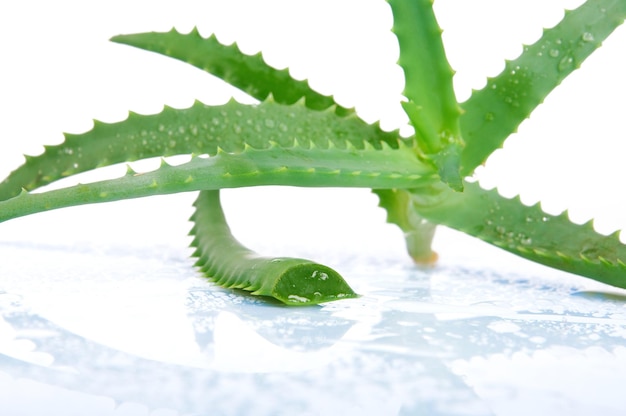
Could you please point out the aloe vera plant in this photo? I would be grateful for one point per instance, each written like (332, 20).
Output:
(299, 137)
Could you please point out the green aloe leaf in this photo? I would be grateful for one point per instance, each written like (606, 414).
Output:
(493, 113)
(223, 259)
(273, 148)
(295, 166)
(432, 106)
(200, 129)
(249, 73)
(529, 232)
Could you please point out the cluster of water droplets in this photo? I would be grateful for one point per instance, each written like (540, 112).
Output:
(512, 88)
(562, 51)
(507, 233)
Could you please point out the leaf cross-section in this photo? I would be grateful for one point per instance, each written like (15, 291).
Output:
(226, 261)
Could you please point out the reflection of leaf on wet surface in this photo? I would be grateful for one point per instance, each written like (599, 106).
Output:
(602, 296)
(296, 329)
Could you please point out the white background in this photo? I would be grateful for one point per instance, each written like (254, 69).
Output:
(59, 72)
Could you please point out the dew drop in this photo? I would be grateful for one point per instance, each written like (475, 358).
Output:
(237, 128)
(588, 37)
(566, 63)
(590, 251)
(172, 143)
(215, 121)
(489, 116)
(500, 229)
(161, 127)
(525, 241)
(269, 123)
(554, 53)
(181, 129)
(283, 127)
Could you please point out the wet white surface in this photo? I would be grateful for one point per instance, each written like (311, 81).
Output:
(114, 328)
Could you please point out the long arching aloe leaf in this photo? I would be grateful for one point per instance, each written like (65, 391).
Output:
(530, 233)
(493, 113)
(200, 129)
(325, 150)
(223, 259)
(295, 166)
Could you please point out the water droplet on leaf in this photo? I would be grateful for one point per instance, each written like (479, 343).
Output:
(526, 241)
(588, 37)
(566, 63)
